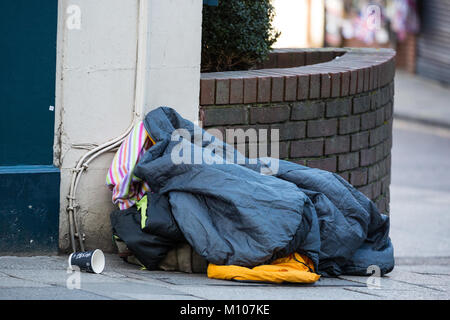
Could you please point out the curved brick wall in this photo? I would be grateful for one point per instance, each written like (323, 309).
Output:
(333, 108)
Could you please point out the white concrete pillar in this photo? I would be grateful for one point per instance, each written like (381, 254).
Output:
(174, 54)
(116, 57)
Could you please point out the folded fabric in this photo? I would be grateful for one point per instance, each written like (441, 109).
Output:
(126, 187)
(295, 268)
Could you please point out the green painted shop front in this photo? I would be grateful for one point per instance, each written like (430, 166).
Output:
(29, 183)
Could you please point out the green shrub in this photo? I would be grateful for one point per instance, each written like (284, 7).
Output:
(237, 34)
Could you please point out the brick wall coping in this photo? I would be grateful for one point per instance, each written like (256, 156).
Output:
(301, 74)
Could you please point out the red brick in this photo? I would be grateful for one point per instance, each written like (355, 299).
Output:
(360, 87)
(388, 163)
(299, 59)
(375, 172)
(222, 91)
(326, 56)
(345, 84)
(303, 87)
(376, 71)
(264, 89)
(387, 147)
(250, 89)
(379, 152)
(376, 189)
(388, 110)
(335, 84)
(308, 110)
(314, 86)
(385, 95)
(371, 78)
(353, 82)
(325, 85)
(376, 136)
(361, 104)
(382, 205)
(285, 60)
(338, 144)
(339, 107)
(291, 130)
(327, 164)
(348, 161)
(283, 150)
(312, 57)
(392, 89)
(224, 116)
(367, 157)
(277, 89)
(382, 74)
(261, 136)
(375, 100)
(201, 115)
(368, 120)
(390, 70)
(349, 124)
(236, 91)
(306, 148)
(271, 114)
(360, 141)
(366, 79)
(207, 91)
(271, 62)
(358, 177)
(290, 90)
(385, 182)
(379, 117)
(322, 128)
(366, 190)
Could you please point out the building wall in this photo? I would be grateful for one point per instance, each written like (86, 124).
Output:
(124, 52)
(174, 54)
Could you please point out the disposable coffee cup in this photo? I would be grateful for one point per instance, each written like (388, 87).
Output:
(89, 261)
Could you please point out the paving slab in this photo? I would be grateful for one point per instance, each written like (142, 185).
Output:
(47, 293)
(415, 279)
(33, 263)
(421, 99)
(7, 281)
(273, 293)
(132, 290)
(420, 192)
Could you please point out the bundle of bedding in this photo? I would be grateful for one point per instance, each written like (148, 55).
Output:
(243, 217)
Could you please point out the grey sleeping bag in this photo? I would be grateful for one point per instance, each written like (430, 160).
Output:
(233, 214)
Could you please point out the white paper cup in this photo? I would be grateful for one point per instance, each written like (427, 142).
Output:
(89, 261)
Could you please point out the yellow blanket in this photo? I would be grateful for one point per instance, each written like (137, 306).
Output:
(294, 268)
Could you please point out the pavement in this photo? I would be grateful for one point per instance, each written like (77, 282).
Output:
(420, 225)
(47, 278)
(420, 99)
(420, 190)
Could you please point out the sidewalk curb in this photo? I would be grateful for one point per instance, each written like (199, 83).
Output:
(429, 122)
